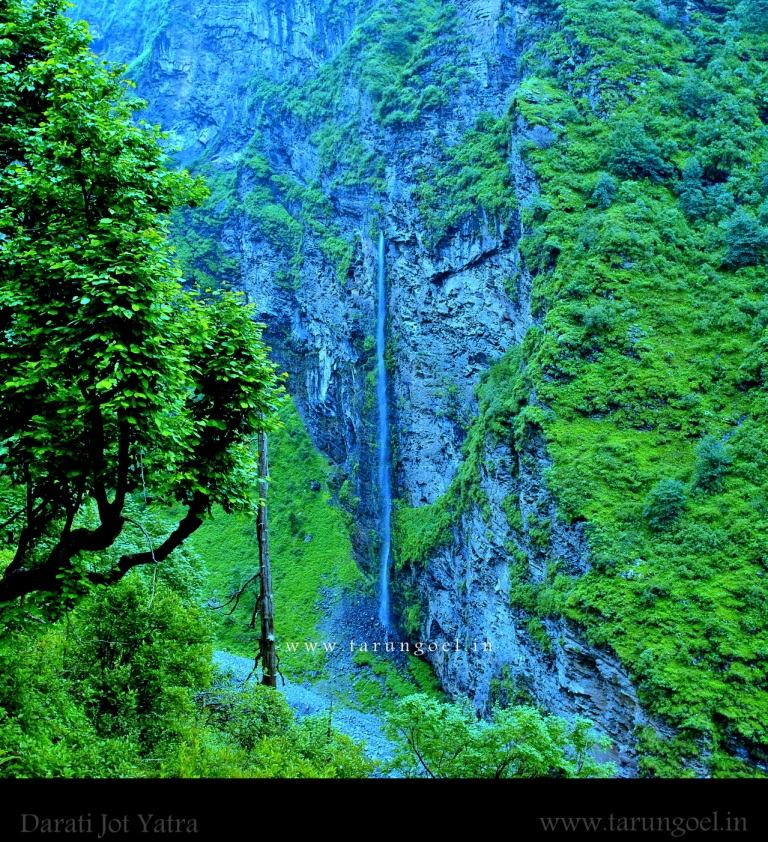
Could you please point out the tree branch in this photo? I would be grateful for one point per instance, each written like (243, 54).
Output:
(48, 576)
(191, 522)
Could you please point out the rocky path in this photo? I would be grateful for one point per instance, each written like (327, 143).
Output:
(309, 701)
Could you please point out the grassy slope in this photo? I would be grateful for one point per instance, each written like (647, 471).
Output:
(634, 386)
(310, 548)
(649, 342)
(379, 682)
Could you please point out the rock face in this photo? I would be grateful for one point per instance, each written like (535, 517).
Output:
(456, 305)
(493, 656)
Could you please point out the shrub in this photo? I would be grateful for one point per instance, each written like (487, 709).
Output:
(250, 714)
(746, 241)
(712, 461)
(664, 504)
(598, 319)
(605, 191)
(443, 740)
(634, 155)
(138, 659)
(693, 200)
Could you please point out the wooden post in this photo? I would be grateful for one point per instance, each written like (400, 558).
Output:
(266, 608)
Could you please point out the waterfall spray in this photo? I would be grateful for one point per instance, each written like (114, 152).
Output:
(385, 489)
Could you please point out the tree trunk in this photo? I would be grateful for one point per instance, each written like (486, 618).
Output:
(266, 608)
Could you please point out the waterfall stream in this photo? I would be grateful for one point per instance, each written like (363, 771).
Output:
(385, 489)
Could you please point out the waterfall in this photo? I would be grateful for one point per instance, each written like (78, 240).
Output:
(385, 489)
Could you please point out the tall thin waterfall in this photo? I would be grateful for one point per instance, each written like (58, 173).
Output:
(385, 488)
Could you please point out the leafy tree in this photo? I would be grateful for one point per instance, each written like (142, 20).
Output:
(112, 376)
(136, 660)
(443, 740)
(44, 730)
(605, 191)
(635, 155)
(693, 200)
(123, 689)
(746, 241)
(665, 503)
(712, 461)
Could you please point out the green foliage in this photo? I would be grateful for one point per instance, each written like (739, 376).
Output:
(442, 740)
(754, 14)
(398, 41)
(311, 553)
(665, 503)
(382, 681)
(746, 240)
(630, 288)
(340, 253)
(275, 223)
(634, 154)
(123, 689)
(473, 178)
(628, 408)
(251, 714)
(691, 191)
(605, 191)
(44, 730)
(419, 530)
(203, 260)
(712, 461)
(137, 657)
(112, 374)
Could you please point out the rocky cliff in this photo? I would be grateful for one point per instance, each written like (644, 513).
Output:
(319, 124)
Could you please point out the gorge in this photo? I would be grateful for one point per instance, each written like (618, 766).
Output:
(467, 228)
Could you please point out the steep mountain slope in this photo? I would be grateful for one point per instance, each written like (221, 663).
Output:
(573, 199)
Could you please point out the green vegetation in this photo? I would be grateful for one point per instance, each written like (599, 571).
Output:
(673, 534)
(397, 63)
(440, 740)
(391, 53)
(113, 377)
(129, 403)
(382, 681)
(419, 531)
(403, 56)
(311, 553)
(648, 246)
(130, 407)
(472, 178)
(123, 688)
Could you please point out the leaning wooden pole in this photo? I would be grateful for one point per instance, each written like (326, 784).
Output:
(266, 608)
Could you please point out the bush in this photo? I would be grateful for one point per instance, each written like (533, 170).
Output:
(443, 740)
(44, 730)
(693, 200)
(605, 191)
(138, 658)
(250, 714)
(712, 461)
(598, 319)
(634, 155)
(746, 241)
(664, 504)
